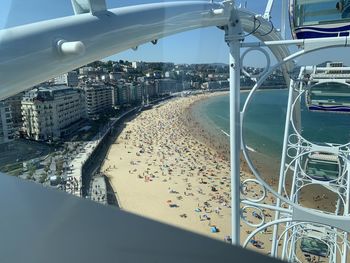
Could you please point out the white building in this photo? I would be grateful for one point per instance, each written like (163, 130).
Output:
(52, 112)
(115, 75)
(86, 70)
(165, 86)
(212, 85)
(139, 65)
(98, 99)
(69, 79)
(6, 126)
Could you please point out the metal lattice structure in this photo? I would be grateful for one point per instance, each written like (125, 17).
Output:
(304, 163)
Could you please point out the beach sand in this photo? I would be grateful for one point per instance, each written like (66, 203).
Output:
(166, 166)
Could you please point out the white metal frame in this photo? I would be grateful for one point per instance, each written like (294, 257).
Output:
(63, 44)
(287, 217)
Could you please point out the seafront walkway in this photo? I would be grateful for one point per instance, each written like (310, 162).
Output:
(98, 190)
(76, 165)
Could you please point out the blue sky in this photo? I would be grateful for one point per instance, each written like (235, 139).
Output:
(198, 46)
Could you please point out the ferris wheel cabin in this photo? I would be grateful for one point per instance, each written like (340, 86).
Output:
(328, 88)
(319, 18)
(329, 96)
(314, 246)
(323, 167)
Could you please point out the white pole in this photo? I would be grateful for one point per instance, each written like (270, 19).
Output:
(346, 212)
(235, 137)
(283, 160)
(233, 36)
(267, 14)
(284, 18)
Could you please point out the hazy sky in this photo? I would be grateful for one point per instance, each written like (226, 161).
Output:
(198, 46)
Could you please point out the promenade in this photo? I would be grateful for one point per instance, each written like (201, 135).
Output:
(75, 173)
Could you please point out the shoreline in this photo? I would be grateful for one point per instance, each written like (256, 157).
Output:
(205, 131)
(145, 177)
(166, 167)
(175, 177)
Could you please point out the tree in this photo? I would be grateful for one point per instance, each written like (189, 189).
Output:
(43, 178)
(31, 172)
(47, 168)
(109, 65)
(59, 167)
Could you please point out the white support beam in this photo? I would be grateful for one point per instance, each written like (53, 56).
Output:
(284, 18)
(233, 37)
(88, 6)
(267, 14)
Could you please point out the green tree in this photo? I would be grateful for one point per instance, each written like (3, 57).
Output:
(43, 178)
(31, 172)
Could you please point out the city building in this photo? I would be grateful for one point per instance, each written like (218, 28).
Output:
(136, 93)
(98, 99)
(157, 74)
(86, 70)
(139, 65)
(195, 84)
(150, 89)
(50, 113)
(6, 125)
(166, 86)
(69, 79)
(115, 75)
(123, 94)
(115, 97)
(213, 85)
(15, 103)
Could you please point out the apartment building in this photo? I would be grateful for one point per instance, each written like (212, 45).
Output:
(50, 113)
(69, 79)
(98, 99)
(6, 125)
(15, 103)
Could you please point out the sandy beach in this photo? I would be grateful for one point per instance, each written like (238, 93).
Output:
(163, 166)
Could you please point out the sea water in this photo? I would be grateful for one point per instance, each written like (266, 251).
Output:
(264, 123)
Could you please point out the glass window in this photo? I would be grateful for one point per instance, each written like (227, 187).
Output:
(314, 12)
(330, 93)
(314, 246)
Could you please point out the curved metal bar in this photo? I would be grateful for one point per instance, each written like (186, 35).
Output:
(282, 210)
(268, 62)
(304, 153)
(245, 220)
(286, 230)
(296, 130)
(257, 200)
(247, 103)
(106, 33)
(280, 221)
(103, 34)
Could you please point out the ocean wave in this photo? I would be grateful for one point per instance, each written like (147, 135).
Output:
(228, 135)
(249, 148)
